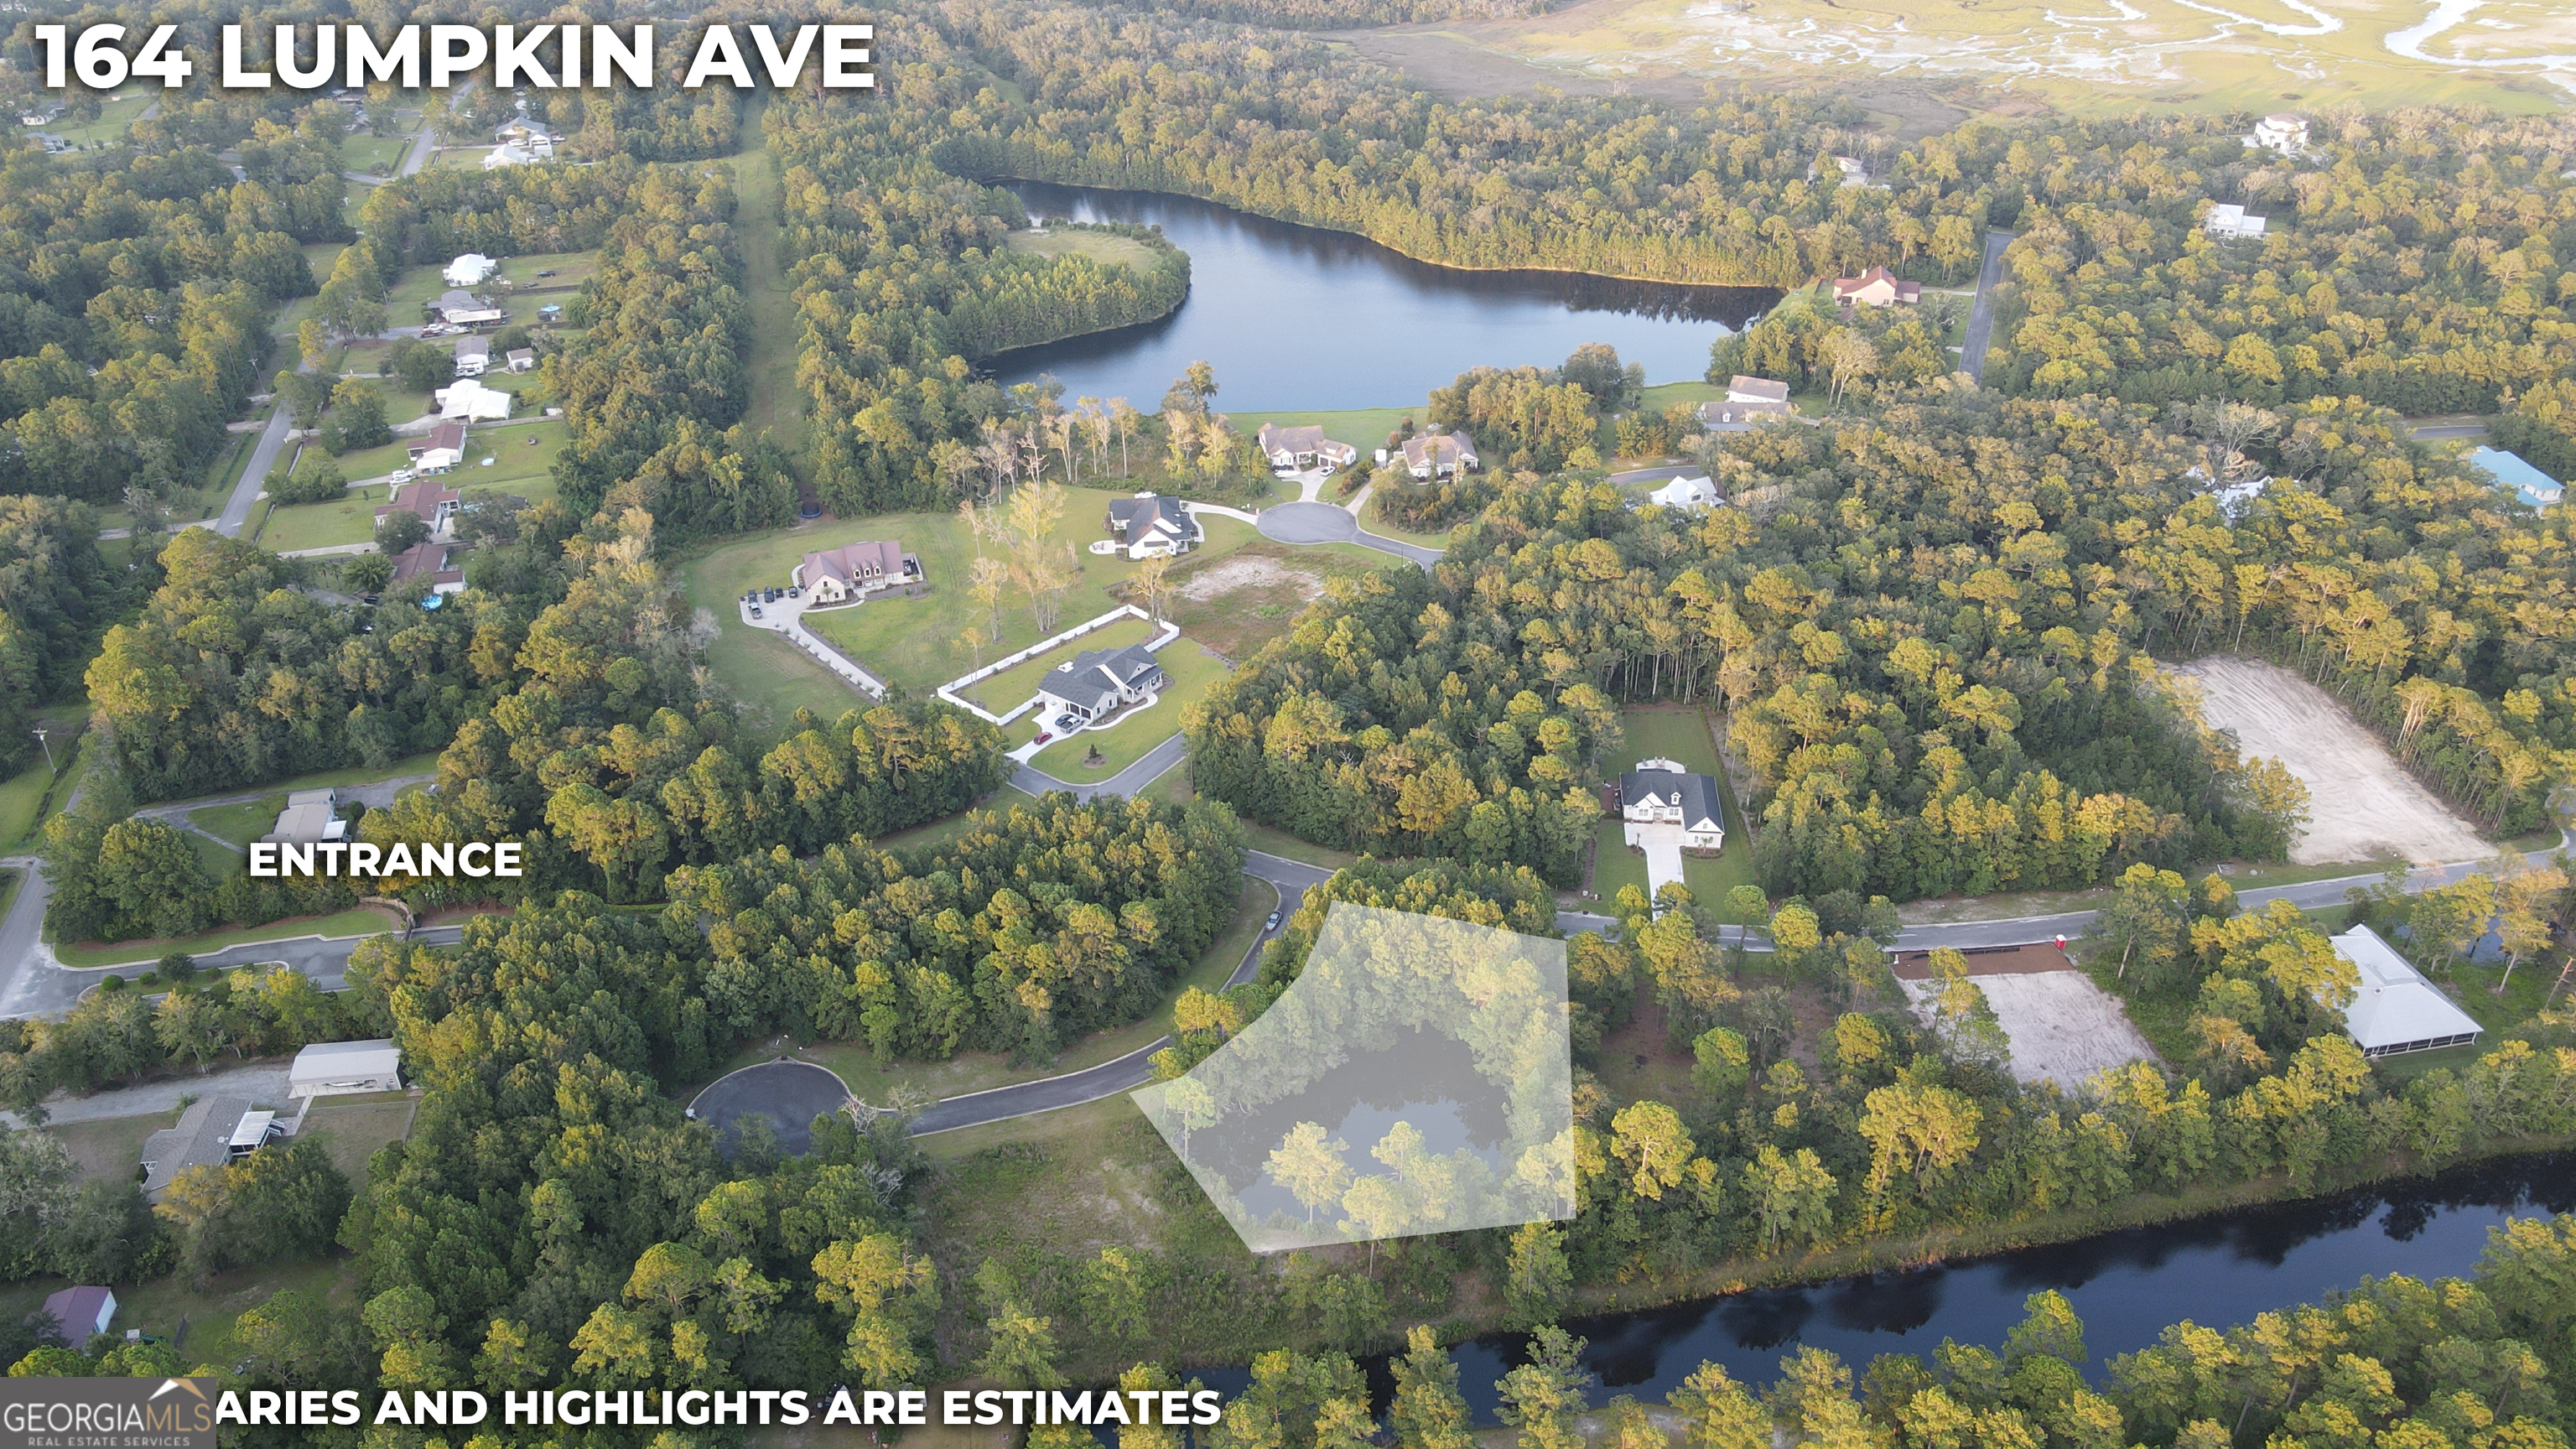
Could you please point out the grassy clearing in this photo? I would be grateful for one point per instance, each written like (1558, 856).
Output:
(374, 155)
(241, 824)
(1015, 685)
(24, 797)
(361, 921)
(1252, 594)
(285, 529)
(872, 1081)
(201, 1320)
(775, 404)
(1675, 733)
(353, 1131)
(110, 1149)
(1191, 668)
(119, 111)
(1108, 248)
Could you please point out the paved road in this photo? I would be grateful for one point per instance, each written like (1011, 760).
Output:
(2450, 430)
(421, 146)
(256, 1083)
(1126, 782)
(1663, 474)
(1329, 523)
(1981, 317)
(263, 457)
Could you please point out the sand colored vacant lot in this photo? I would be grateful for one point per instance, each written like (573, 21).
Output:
(2063, 1027)
(2362, 805)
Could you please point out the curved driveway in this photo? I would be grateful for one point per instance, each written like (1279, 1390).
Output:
(1329, 523)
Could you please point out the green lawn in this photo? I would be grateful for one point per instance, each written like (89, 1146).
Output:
(201, 1319)
(1191, 669)
(286, 528)
(360, 921)
(461, 158)
(776, 404)
(873, 1082)
(522, 454)
(241, 824)
(23, 795)
(110, 1148)
(375, 155)
(1013, 687)
(1674, 733)
(1101, 246)
(118, 112)
(353, 1129)
(914, 641)
(359, 463)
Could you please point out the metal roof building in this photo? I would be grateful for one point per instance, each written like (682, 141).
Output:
(2396, 1010)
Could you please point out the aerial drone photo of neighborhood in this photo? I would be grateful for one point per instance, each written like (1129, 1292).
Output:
(1289, 724)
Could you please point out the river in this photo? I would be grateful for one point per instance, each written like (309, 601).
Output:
(1297, 317)
(2127, 1286)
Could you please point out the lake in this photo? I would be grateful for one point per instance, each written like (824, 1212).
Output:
(1297, 317)
(2127, 1286)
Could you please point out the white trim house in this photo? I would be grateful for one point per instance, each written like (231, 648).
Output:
(1661, 792)
(2395, 1010)
(1099, 682)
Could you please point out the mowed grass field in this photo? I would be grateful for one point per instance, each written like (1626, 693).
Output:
(1673, 732)
(1100, 246)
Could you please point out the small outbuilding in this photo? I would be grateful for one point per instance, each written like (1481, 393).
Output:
(334, 1068)
(80, 1312)
(2395, 1010)
(310, 817)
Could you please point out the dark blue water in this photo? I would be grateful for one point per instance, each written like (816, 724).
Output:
(2126, 1286)
(1297, 317)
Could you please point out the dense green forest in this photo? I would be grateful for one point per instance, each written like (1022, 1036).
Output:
(56, 594)
(132, 302)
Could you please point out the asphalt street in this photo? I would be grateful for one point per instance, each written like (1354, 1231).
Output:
(1981, 317)
(1126, 782)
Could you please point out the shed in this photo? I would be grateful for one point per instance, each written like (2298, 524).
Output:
(79, 1312)
(329, 1068)
(2395, 1010)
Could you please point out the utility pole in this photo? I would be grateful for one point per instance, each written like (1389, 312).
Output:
(49, 749)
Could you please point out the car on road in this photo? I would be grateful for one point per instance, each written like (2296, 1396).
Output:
(1272, 924)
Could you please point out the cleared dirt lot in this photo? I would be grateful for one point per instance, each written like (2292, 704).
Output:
(2063, 1027)
(2362, 805)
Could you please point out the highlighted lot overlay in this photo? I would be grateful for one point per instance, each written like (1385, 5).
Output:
(1415, 1078)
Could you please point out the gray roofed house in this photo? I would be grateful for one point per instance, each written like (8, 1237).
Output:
(473, 355)
(1733, 416)
(1097, 682)
(1742, 389)
(464, 309)
(1151, 523)
(832, 575)
(203, 1137)
(1662, 792)
(310, 816)
(522, 359)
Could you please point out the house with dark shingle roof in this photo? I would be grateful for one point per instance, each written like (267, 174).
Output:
(1099, 682)
(1662, 792)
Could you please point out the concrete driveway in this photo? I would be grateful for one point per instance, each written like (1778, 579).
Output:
(1663, 846)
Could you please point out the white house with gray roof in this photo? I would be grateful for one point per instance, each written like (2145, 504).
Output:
(1662, 792)
(1099, 682)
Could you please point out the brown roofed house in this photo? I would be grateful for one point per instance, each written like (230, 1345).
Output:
(1304, 446)
(433, 501)
(1440, 455)
(832, 576)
